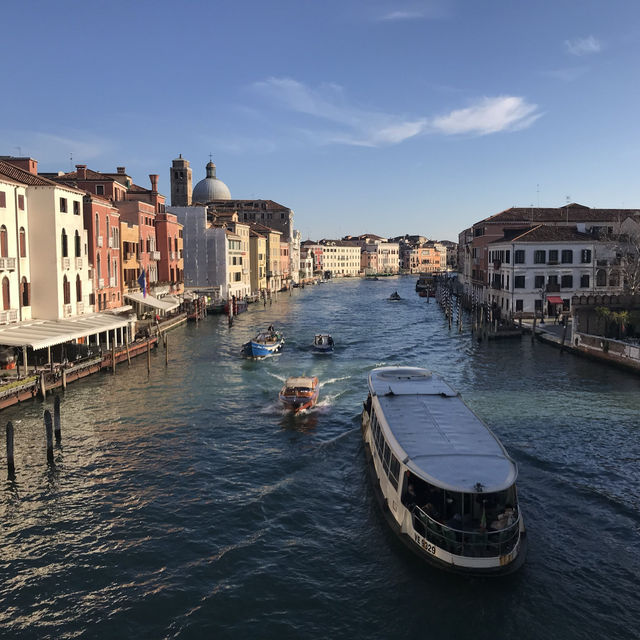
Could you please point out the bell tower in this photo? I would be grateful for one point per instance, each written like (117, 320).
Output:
(181, 183)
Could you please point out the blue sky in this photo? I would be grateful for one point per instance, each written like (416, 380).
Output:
(381, 117)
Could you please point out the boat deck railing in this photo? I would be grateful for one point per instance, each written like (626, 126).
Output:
(476, 543)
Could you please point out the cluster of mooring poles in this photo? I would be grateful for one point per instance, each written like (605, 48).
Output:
(451, 304)
(52, 430)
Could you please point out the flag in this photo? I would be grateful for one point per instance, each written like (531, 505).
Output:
(142, 281)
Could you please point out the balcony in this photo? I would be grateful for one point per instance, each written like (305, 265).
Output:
(11, 315)
(7, 264)
(112, 281)
(100, 241)
(552, 262)
(100, 283)
(80, 307)
(67, 310)
(66, 263)
(78, 263)
(154, 255)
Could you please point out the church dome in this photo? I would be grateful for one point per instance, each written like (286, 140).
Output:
(211, 188)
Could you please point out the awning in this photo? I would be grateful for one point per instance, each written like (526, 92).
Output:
(554, 299)
(150, 301)
(39, 334)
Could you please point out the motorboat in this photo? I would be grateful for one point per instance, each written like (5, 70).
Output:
(395, 296)
(300, 393)
(446, 484)
(322, 343)
(266, 343)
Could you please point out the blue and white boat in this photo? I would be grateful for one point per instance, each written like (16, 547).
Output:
(266, 343)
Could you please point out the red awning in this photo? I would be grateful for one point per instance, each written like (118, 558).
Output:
(554, 299)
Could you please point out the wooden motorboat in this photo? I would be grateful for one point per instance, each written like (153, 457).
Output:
(300, 392)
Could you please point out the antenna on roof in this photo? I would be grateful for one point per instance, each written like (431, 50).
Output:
(19, 151)
(568, 199)
(71, 161)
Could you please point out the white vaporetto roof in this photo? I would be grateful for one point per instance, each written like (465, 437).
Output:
(443, 441)
(39, 334)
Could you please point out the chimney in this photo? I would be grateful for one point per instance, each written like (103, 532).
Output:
(121, 170)
(154, 181)
(26, 164)
(82, 171)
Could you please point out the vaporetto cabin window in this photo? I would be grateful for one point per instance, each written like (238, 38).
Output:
(388, 460)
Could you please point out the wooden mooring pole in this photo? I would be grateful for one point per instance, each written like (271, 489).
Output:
(11, 468)
(166, 350)
(113, 357)
(49, 431)
(126, 343)
(56, 418)
(148, 355)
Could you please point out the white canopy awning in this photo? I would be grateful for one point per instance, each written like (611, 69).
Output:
(150, 301)
(40, 334)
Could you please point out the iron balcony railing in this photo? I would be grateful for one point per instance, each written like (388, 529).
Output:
(473, 543)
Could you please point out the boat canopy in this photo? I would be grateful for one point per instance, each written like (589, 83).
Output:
(444, 442)
(302, 382)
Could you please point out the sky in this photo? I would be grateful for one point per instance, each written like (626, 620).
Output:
(385, 117)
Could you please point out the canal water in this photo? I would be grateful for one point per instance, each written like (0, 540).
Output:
(186, 504)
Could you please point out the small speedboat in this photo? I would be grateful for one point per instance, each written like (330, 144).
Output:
(322, 343)
(266, 343)
(300, 393)
(395, 296)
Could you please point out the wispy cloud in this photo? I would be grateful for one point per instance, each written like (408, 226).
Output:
(489, 115)
(353, 125)
(567, 74)
(426, 10)
(583, 46)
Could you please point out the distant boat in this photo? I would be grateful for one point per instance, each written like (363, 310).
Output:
(395, 296)
(323, 343)
(266, 343)
(300, 393)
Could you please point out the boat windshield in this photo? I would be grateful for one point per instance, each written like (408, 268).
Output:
(469, 524)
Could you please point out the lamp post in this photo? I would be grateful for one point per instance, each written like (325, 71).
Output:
(543, 299)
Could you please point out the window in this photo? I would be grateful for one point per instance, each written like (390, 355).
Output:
(539, 256)
(507, 256)
(63, 205)
(25, 292)
(537, 305)
(585, 256)
(66, 290)
(6, 301)
(3, 199)
(4, 245)
(76, 208)
(99, 267)
(553, 280)
(567, 256)
(553, 256)
(566, 282)
(78, 289)
(519, 305)
(100, 189)
(23, 243)
(65, 248)
(518, 282)
(77, 244)
(614, 279)
(21, 202)
(584, 281)
(539, 282)
(518, 256)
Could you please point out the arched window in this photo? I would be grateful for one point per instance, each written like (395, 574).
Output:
(78, 247)
(108, 268)
(4, 245)
(601, 278)
(23, 243)
(66, 290)
(614, 279)
(115, 273)
(99, 266)
(108, 233)
(97, 230)
(65, 248)
(6, 301)
(25, 292)
(78, 289)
